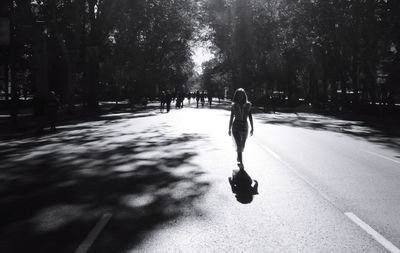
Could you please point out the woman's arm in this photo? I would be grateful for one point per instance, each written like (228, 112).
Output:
(230, 122)
(251, 123)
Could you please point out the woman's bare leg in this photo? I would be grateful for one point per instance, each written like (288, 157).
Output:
(240, 156)
(239, 145)
(240, 160)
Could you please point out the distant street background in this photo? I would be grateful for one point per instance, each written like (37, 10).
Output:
(335, 56)
(158, 182)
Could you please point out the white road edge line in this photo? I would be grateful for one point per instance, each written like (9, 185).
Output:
(276, 156)
(382, 156)
(378, 237)
(272, 153)
(94, 233)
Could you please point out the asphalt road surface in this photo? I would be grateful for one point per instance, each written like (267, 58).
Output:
(158, 182)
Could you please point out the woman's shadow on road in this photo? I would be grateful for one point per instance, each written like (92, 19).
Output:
(243, 186)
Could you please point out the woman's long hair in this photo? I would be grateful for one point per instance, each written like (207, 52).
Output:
(240, 97)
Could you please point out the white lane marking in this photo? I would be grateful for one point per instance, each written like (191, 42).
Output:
(382, 156)
(272, 153)
(378, 237)
(287, 165)
(94, 233)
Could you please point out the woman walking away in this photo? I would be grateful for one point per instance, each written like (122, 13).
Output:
(238, 126)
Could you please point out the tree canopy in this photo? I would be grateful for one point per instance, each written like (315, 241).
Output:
(109, 48)
(342, 52)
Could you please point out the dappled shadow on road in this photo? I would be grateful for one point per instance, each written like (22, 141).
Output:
(27, 126)
(381, 132)
(54, 189)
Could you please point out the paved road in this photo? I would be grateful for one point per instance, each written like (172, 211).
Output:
(151, 182)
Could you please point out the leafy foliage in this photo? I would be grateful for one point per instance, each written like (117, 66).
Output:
(341, 51)
(132, 48)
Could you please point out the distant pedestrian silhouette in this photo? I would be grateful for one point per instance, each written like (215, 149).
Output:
(220, 96)
(197, 98)
(162, 101)
(243, 186)
(168, 100)
(203, 98)
(238, 126)
(179, 100)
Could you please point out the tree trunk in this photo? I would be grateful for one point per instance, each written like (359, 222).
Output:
(92, 79)
(42, 81)
(6, 81)
(355, 76)
(92, 63)
(71, 73)
(71, 84)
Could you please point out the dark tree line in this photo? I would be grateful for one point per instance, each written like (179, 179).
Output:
(343, 51)
(88, 50)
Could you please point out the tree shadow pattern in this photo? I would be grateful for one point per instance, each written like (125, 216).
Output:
(54, 189)
(372, 130)
(382, 131)
(27, 125)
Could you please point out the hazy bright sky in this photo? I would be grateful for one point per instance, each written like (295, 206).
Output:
(201, 54)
